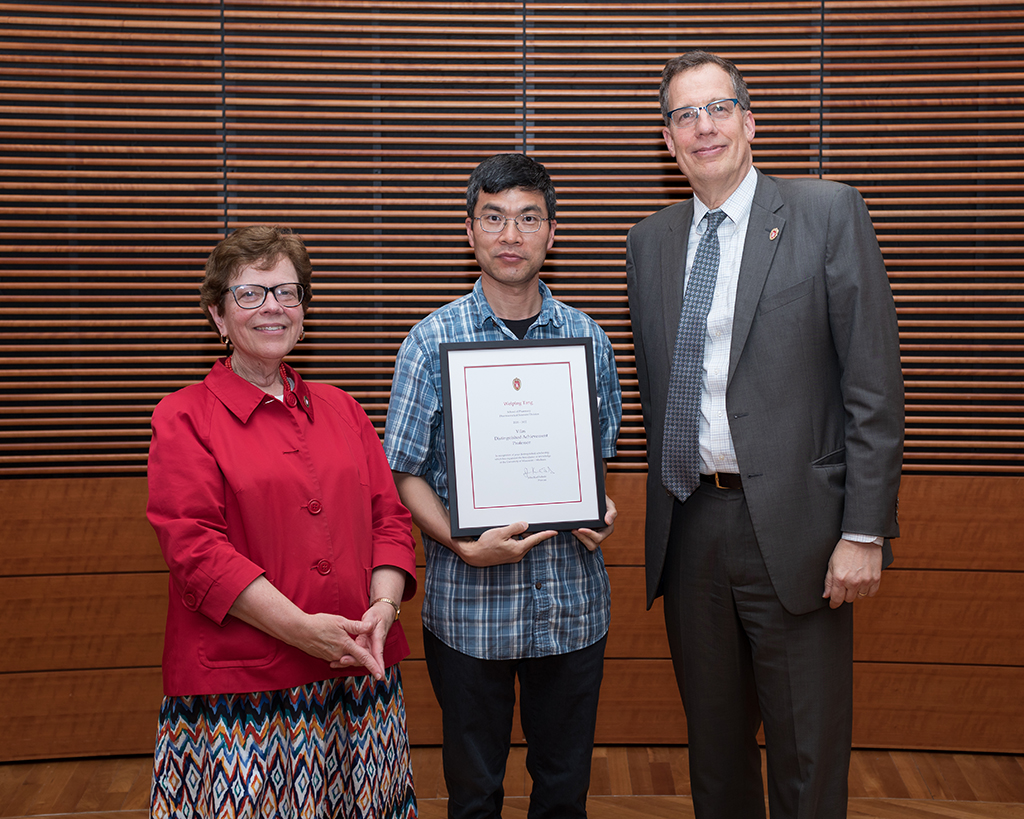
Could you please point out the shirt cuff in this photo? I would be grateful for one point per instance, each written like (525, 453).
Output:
(876, 539)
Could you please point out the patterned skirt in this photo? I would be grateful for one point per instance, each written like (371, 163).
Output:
(336, 748)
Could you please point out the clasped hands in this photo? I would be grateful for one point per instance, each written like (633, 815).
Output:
(352, 643)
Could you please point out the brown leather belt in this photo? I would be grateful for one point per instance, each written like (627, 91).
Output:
(723, 480)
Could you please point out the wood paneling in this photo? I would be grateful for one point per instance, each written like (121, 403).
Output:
(82, 621)
(116, 620)
(961, 523)
(942, 617)
(942, 707)
(76, 527)
(114, 711)
(938, 653)
(79, 713)
(896, 705)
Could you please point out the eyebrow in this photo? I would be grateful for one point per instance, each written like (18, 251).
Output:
(527, 209)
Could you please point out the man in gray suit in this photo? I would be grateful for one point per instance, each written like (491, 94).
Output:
(795, 423)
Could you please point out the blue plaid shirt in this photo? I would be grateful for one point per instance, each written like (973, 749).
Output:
(556, 599)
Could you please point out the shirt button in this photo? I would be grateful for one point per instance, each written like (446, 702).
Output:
(190, 601)
(314, 507)
(291, 400)
(324, 567)
(538, 585)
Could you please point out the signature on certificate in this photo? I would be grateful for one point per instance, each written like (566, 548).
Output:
(533, 472)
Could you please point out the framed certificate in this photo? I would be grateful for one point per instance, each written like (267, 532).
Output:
(522, 435)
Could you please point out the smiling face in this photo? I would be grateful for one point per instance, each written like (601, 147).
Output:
(511, 259)
(264, 336)
(714, 155)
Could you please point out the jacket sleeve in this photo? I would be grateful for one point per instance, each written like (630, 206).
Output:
(187, 509)
(862, 315)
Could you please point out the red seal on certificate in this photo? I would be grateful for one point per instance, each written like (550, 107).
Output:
(517, 384)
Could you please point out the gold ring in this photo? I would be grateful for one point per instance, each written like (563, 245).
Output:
(862, 594)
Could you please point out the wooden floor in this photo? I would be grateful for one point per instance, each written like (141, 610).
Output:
(627, 783)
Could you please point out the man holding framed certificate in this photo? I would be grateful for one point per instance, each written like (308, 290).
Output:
(506, 401)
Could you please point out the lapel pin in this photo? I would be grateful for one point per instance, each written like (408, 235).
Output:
(773, 235)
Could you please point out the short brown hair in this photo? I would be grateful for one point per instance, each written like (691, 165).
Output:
(695, 59)
(260, 246)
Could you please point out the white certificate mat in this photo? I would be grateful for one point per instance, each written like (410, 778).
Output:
(522, 437)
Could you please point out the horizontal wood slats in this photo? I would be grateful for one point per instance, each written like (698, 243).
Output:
(132, 138)
(947, 206)
(938, 654)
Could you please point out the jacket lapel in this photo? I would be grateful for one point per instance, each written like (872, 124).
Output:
(673, 263)
(764, 230)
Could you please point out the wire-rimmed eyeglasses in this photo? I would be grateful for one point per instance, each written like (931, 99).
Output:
(524, 222)
(251, 296)
(689, 114)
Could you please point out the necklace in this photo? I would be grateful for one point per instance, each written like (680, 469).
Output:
(284, 375)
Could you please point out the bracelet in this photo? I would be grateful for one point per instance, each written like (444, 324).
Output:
(390, 602)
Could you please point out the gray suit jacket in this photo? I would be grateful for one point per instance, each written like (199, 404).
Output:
(815, 388)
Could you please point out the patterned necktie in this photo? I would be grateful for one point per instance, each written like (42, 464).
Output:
(680, 460)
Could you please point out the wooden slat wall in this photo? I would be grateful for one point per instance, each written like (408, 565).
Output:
(111, 197)
(132, 138)
(593, 118)
(922, 105)
(366, 119)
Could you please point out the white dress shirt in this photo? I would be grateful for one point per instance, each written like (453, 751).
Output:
(716, 448)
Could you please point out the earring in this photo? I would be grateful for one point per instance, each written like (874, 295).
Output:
(225, 340)
(302, 333)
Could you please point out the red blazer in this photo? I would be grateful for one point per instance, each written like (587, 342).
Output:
(241, 484)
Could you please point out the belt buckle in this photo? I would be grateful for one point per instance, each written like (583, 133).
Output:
(719, 485)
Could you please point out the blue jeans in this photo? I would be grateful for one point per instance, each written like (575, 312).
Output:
(558, 710)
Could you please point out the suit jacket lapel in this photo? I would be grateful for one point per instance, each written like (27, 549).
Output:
(673, 265)
(758, 251)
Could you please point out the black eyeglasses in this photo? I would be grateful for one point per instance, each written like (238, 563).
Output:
(252, 296)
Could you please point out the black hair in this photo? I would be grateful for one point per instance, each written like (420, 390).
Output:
(503, 172)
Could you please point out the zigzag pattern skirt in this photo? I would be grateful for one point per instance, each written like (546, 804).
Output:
(337, 748)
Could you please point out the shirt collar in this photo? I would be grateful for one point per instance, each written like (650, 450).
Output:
(242, 398)
(483, 312)
(737, 206)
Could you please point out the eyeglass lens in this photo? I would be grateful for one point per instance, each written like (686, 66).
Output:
(525, 222)
(251, 296)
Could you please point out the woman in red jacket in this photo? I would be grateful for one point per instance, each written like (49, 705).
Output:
(289, 555)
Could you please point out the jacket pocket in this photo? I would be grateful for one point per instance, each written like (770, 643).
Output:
(784, 297)
(235, 644)
(835, 458)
